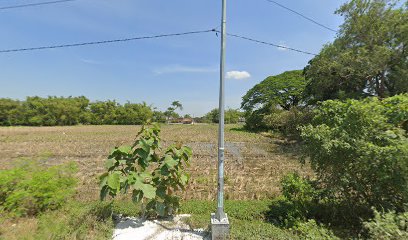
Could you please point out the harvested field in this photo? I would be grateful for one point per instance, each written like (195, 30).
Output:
(254, 163)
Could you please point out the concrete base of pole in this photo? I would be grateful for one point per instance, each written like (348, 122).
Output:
(219, 229)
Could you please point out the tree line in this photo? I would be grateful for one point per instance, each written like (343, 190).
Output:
(68, 111)
(62, 111)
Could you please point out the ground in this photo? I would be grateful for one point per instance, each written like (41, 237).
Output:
(254, 166)
(254, 163)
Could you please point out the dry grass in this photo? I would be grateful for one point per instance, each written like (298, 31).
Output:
(254, 163)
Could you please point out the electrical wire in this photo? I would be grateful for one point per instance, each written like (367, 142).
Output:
(302, 15)
(103, 42)
(34, 4)
(151, 37)
(267, 43)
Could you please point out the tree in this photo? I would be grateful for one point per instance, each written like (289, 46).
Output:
(170, 113)
(369, 57)
(284, 90)
(177, 105)
(230, 116)
(7, 106)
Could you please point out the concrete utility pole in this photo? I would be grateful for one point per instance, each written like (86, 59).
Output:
(219, 220)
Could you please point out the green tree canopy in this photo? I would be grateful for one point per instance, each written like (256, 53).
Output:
(230, 116)
(369, 56)
(285, 90)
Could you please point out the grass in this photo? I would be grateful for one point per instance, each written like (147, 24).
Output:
(92, 220)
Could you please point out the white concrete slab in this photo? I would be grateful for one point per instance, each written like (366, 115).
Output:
(168, 229)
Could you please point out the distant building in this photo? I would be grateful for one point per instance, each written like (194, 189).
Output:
(187, 121)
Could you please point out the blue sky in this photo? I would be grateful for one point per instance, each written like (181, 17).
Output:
(157, 71)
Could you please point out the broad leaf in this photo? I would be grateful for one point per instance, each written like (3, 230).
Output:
(170, 161)
(114, 180)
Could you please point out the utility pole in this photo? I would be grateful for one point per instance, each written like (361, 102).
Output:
(219, 220)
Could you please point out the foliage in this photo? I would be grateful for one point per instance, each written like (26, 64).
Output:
(77, 220)
(277, 103)
(359, 152)
(231, 116)
(288, 122)
(171, 111)
(32, 188)
(297, 203)
(247, 219)
(159, 117)
(284, 90)
(296, 188)
(369, 55)
(60, 111)
(310, 230)
(151, 178)
(387, 226)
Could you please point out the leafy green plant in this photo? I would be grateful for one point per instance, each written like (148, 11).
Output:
(32, 188)
(387, 226)
(152, 179)
(310, 230)
(297, 204)
(360, 152)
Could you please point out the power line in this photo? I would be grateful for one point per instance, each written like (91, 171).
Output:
(102, 42)
(150, 37)
(34, 4)
(267, 43)
(302, 15)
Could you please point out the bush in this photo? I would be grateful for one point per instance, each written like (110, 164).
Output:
(288, 122)
(359, 152)
(297, 204)
(32, 188)
(310, 230)
(387, 226)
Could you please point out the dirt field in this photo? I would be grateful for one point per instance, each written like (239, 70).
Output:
(254, 163)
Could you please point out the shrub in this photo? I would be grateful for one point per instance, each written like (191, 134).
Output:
(287, 122)
(310, 230)
(32, 188)
(387, 226)
(153, 179)
(297, 204)
(359, 152)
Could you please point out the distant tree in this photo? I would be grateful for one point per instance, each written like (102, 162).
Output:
(8, 108)
(170, 113)
(230, 116)
(285, 90)
(369, 56)
(159, 117)
(177, 105)
(187, 116)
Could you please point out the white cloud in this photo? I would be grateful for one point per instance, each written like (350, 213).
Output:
(184, 69)
(238, 75)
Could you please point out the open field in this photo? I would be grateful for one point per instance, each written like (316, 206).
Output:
(254, 163)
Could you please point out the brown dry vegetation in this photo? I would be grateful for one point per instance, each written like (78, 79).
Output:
(254, 163)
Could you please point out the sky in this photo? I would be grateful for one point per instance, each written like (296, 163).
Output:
(157, 71)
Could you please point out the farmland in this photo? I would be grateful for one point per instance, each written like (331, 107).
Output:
(254, 163)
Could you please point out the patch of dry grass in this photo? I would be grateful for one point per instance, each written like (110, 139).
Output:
(254, 163)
